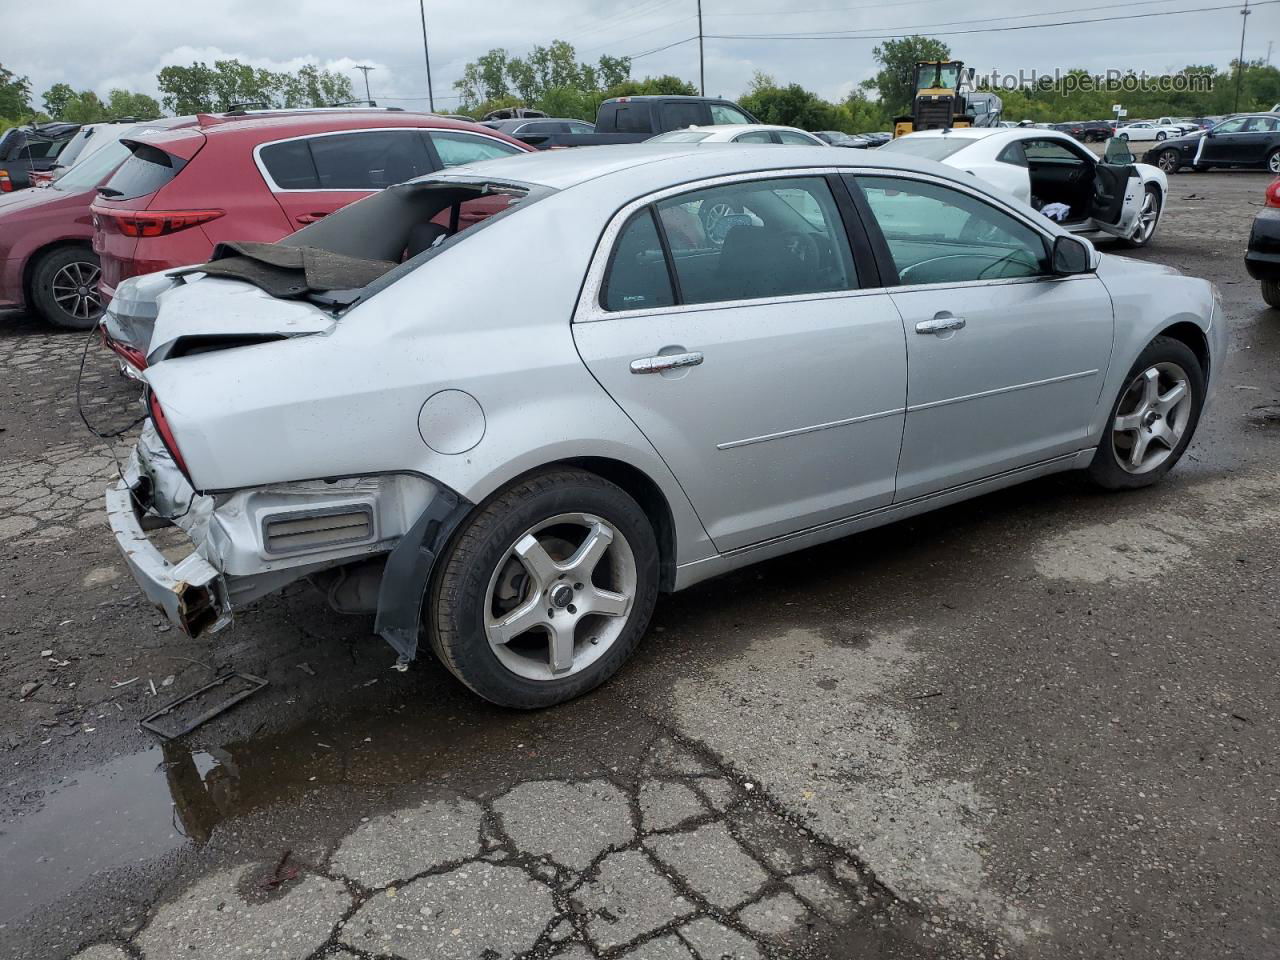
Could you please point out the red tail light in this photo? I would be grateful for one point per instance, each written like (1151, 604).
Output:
(166, 434)
(158, 223)
(6, 185)
(1273, 193)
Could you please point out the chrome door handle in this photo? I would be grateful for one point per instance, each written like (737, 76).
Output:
(668, 362)
(940, 324)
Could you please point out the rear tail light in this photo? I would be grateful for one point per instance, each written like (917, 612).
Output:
(6, 185)
(133, 355)
(166, 434)
(1273, 193)
(159, 223)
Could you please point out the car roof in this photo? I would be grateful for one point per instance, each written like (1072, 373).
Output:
(260, 126)
(652, 165)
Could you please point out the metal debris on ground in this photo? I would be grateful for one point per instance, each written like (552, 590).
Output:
(234, 687)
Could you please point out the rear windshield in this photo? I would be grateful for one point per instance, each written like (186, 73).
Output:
(680, 136)
(94, 168)
(73, 149)
(931, 148)
(144, 173)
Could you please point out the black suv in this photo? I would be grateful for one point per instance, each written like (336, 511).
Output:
(23, 149)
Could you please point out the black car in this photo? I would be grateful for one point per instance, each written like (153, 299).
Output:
(35, 147)
(877, 139)
(1248, 140)
(543, 132)
(1096, 131)
(1262, 259)
(838, 139)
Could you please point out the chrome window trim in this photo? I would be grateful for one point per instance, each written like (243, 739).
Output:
(276, 188)
(589, 309)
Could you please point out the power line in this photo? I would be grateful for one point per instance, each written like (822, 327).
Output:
(925, 28)
(614, 43)
(668, 46)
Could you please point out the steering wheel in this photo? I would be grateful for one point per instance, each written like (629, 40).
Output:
(802, 246)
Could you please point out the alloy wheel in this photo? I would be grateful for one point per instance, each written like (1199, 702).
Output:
(1168, 161)
(1273, 162)
(560, 596)
(1151, 418)
(1148, 217)
(75, 290)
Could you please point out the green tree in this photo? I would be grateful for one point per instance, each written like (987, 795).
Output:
(85, 107)
(186, 90)
(663, 86)
(56, 99)
(895, 83)
(122, 103)
(613, 71)
(15, 96)
(791, 106)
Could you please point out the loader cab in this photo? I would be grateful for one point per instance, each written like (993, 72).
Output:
(939, 102)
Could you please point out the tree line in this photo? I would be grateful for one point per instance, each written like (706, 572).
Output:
(552, 78)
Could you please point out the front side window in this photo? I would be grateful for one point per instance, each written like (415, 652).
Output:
(676, 115)
(757, 239)
(1231, 126)
(936, 234)
(459, 148)
(724, 113)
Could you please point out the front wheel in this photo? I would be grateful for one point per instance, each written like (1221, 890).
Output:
(1153, 418)
(1148, 218)
(1124, 137)
(1273, 162)
(1169, 161)
(545, 591)
(1271, 293)
(1161, 135)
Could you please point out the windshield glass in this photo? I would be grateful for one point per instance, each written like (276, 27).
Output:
(940, 75)
(94, 168)
(931, 148)
(680, 136)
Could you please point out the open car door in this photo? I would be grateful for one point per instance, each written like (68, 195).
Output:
(1117, 191)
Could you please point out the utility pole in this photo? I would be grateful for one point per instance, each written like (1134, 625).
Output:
(1270, 44)
(368, 97)
(702, 62)
(1244, 22)
(431, 99)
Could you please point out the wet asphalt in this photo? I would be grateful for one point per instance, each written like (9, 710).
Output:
(1039, 724)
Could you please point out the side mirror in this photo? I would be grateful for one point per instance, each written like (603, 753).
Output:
(1071, 256)
(1210, 133)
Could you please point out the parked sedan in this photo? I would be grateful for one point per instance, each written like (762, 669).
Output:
(1262, 259)
(542, 133)
(838, 139)
(516, 480)
(741, 133)
(1250, 140)
(1052, 172)
(1148, 130)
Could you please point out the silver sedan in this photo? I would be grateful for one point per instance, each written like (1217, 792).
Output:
(715, 357)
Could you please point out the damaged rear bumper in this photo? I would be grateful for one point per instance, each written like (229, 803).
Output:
(191, 593)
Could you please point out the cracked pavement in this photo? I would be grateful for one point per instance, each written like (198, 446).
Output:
(1041, 724)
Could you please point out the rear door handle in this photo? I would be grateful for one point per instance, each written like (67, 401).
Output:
(310, 217)
(940, 324)
(668, 362)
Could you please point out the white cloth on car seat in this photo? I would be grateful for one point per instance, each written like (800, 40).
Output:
(1055, 211)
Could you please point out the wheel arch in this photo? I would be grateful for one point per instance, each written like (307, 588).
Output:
(1195, 339)
(34, 258)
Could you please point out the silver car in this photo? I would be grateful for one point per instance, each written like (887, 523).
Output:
(716, 357)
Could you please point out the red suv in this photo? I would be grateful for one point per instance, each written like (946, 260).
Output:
(260, 177)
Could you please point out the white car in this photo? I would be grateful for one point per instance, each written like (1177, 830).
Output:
(1149, 130)
(1045, 167)
(741, 133)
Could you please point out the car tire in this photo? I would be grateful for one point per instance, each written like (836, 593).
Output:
(493, 580)
(1142, 410)
(1273, 162)
(1124, 137)
(1170, 161)
(64, 288)
(1271, 293)
(1161, 135)
(1148, 219)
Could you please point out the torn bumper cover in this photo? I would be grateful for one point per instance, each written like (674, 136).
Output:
(245, 544)
(191, 592)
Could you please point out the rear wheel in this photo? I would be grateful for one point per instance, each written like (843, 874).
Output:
(1273, 162)
(1153, 419)
(1124, 137)
(546, 590)
(64, 288)
(1271, 293)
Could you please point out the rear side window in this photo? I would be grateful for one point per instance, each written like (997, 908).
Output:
(755, 136)
(145, 172)
(369, 160)
(637, 277)
(290, 165)
(676, 115)
(455, 149)
(630, 118)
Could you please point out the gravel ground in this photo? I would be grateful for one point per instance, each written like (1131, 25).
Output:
(1041, 724)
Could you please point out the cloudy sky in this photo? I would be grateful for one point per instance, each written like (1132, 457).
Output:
(88, 46)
